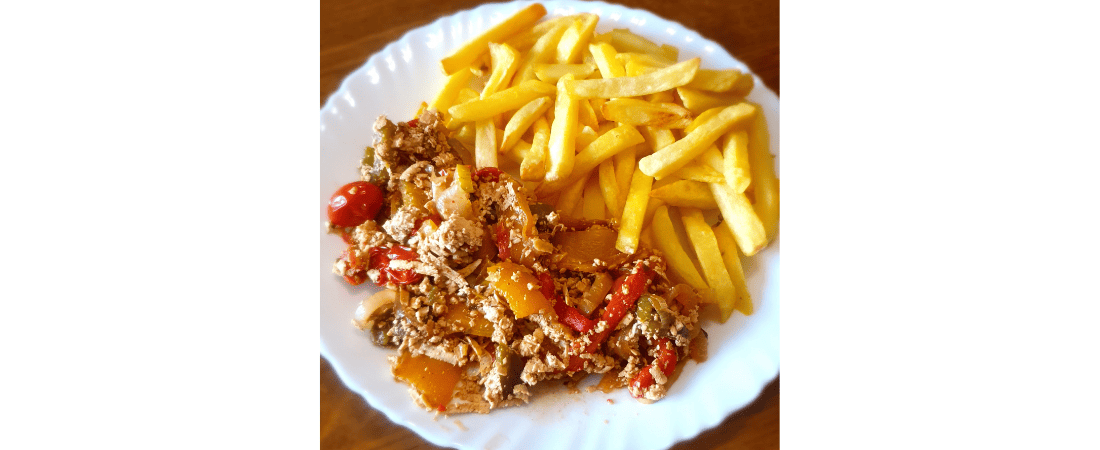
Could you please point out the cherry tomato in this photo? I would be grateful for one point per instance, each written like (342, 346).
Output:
(356, 273)
(407, 276)
(354, 203)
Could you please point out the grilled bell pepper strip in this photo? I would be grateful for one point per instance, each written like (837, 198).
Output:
(665, 362)
(624, 294)
(568, 315)
(504, 241)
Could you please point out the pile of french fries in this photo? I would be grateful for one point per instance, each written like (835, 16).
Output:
(614, 126)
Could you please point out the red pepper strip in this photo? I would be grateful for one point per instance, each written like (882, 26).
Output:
(504, 242)
(566, 314)
(624, 294)
(490, 174)
(665, 362)
(413, 123)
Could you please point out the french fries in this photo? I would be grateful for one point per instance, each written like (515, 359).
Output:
(664, 79)
(762, 165)
(551, 73)
(733, 267)
(640, 112)
(634, 213)
(686, 193)
(683, 270)
(742, 220)
(504, 63)
(607, 145)
(679, 153)
(505, 100)
(533, 167)
(563, 132)
(464, 56)
(707, 250)
(614, 126)
(735, 160)
(522, 120)
(609, 186)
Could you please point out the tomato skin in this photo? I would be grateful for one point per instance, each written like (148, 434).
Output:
(354, 203)
(402, 277)
(356, 266)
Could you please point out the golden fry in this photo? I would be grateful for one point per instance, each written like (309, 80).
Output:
(642, 113)
(542, 52)
(533, 167)
(702, 173)
(676, 155)
(686, 193)
(698, 101)
(625, 40)
(504, 61)
(485, 149)
(735, 159)
(682, 269)
(563, 132)
(733, 267)
(739, 216)
(765, 184)
(717, 80)
(604, 56)
(570, 198)
(551, 73)
(575, 38)
(464, 57)
(505, 100)
(634, 213)
(604, 147)
(609, 187)
(455, 83)
(624, 167)
(664, 79)
(593, 204)
(522, 120)
(710, 259)
(527, 38)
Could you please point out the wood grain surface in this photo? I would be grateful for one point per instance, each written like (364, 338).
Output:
(353, 30)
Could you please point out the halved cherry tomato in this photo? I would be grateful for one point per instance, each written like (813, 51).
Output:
(379, 258)
(356, 273)
(354, 203)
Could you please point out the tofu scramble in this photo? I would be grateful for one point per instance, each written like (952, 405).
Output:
(487, 291)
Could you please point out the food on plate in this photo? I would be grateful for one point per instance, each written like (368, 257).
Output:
(559, 209)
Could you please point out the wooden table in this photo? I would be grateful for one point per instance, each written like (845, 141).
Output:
(353, 30)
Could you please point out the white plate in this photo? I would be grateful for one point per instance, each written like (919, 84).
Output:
(744, 351)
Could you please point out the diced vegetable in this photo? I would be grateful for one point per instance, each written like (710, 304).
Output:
(580, 249)
(435, 380)
(472, 322)
(520, 288)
